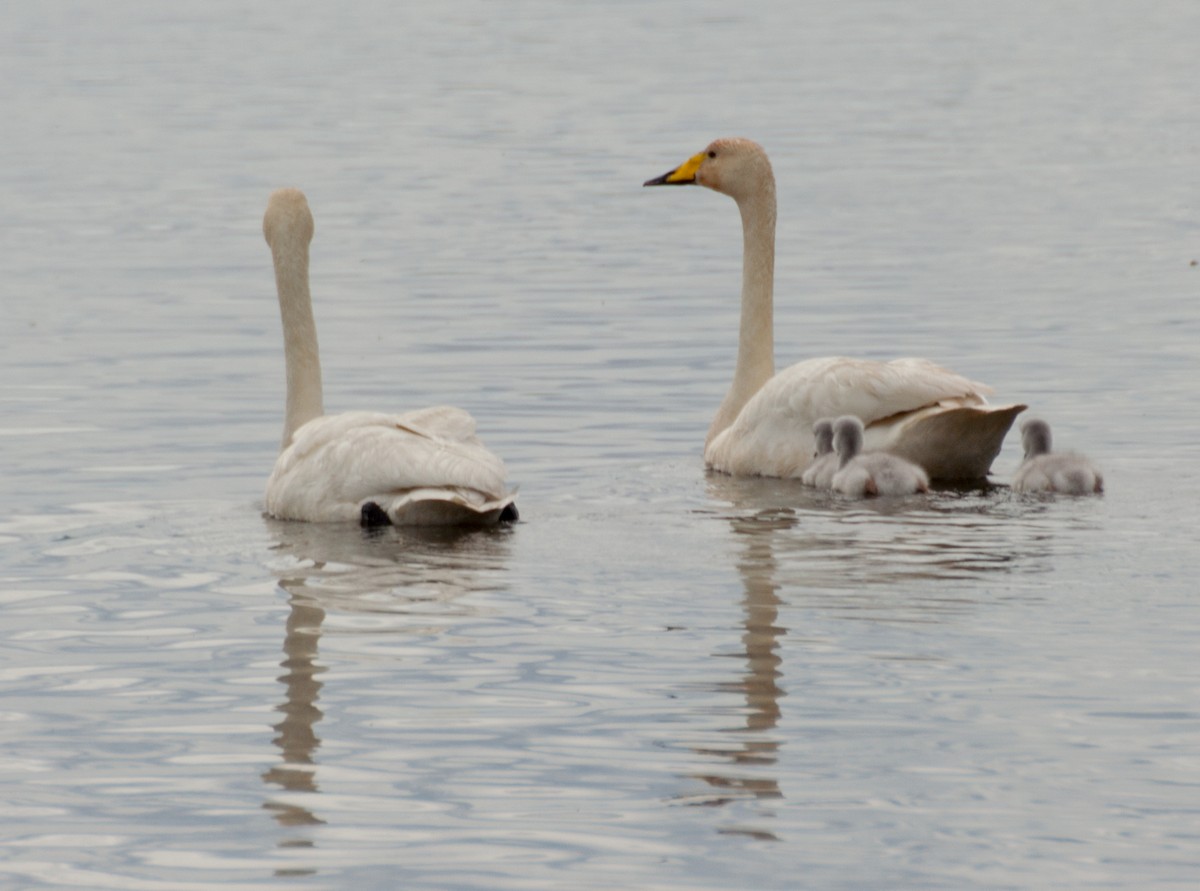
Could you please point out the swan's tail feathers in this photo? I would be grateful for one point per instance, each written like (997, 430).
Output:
(956, 444)
(449, 506)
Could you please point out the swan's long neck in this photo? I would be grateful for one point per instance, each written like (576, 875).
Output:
(304, 398)
(756, 338)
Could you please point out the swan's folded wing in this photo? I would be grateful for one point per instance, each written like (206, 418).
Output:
(444, 422)
(773, 433)
(338, 461)
(871, 391)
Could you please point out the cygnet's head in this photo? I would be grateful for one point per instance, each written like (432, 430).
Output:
(1035, 437)
(823, 432)
(847, 438)
(287, 219)
(734, 166)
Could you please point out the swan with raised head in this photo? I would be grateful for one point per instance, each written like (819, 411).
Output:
(911, 407)
(1045, 471)
(824, 464)
(871, 473)
(425, 467)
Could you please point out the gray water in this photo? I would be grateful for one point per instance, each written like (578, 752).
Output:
(658, 679)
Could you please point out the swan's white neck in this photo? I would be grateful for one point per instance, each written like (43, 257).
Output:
(304, 400)
(756, 338)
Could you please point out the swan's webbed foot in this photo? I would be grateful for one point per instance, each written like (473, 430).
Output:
(510, 514)
(373, 515)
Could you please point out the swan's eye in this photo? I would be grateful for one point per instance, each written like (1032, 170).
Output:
(712, 154)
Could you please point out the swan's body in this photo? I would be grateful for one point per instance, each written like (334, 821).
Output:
(911, 407)
(824, 465)
(425, 467)
(1045, 471)
(872, 473)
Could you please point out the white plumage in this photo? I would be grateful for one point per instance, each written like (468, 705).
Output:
(911, 407)
(425, 467)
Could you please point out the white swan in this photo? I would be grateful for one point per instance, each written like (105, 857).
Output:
(824, 464)
(871, 473)
(1045, 471)
(425, 467)
(911, 407)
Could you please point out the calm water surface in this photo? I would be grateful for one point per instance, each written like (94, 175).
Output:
(658, 679)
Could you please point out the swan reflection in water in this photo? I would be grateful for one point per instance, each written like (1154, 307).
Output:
(747, 761)
(405, 580)
(857, 550)
(887, 560)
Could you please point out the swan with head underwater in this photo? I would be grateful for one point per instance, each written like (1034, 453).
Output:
(425, 467)
(911, 407)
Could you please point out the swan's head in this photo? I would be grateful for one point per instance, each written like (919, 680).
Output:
(287, 219)
(823, 432)
(1035, 437)
(847, 437)
(734, 166)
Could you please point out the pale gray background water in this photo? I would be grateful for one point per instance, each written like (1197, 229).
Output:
(657, 679)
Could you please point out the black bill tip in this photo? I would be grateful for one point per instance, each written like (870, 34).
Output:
(665, 180)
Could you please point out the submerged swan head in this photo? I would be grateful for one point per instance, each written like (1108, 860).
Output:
(734, 166)
(288, 219)
(1035, 437)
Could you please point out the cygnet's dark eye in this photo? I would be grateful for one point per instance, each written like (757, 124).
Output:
(712, 154)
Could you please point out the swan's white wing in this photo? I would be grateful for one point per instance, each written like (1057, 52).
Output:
(335, 463)
(870, 391)
(440, 422)
(773, 436)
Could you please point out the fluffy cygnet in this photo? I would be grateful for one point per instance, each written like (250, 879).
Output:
(1045, 471)
(825, 460)
(873, 473)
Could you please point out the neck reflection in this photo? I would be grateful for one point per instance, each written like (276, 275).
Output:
(750, 759)
(297, 738)
(394, 576)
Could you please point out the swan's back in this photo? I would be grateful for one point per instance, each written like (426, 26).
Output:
(412, 466)
(911, 407)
